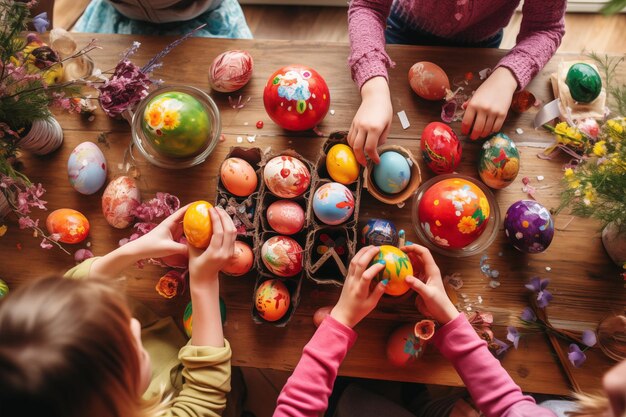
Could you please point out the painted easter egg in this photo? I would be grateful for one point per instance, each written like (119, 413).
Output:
(238, 177)
(529, 226)
(341, 164)
(441, 148)
(286, 176)
(584, 82)
(393, 173)
(296, 97)
(282, 256)
(241, 262)
(71, 225)
(428, 80)
(197, 224)
(188, 316)
(453, 213)
(321, 314)
(4, 289)
(272, 300)
(498, 163)
(333, 203)
(230, 71)
(397, 267)
(176, 124)
(379, 232)
(403, 347)
(285, 217)
(119, 200)
(87, 168)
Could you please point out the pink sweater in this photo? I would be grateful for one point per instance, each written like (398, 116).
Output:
(467, 20)
(306, 392)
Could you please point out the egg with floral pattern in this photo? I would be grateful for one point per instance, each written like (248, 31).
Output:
(282, 256)
(286, 176)
(498, 163)
(397, 267)
(69, 225)
(453, 213)
(441, 148)
(403, 347)
(87, 168)
(333, 203)
(272, 300)
(529, 226)
(119, 200)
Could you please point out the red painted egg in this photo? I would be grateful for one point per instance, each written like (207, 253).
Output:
(285, 216)
(403, 347)
(71, 225)
(441, 148)
(286, 176)
(428, 80)
(272, 300)
(296, 97)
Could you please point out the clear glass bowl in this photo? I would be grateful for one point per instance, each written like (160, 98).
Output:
(480, 244)
(148, 151)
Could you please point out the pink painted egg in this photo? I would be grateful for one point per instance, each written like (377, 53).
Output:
(238, 177)
(403, 347)
(272, 300)
(286, 176)
(230, 71)
(119, 200)
(428, 80)
(285, 216)
(282, 256)
(441, 148)
(71, 225)
(241, 262)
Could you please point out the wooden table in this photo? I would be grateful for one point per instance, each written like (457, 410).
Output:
(584, 281)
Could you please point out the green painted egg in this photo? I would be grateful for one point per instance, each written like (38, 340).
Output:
(584, 82)
(188, 316)
(176, 124)
(498, 163)
(4, 289)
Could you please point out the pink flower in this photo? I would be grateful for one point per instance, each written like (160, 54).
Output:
(45, 244)
(127, 87)
(26, 222)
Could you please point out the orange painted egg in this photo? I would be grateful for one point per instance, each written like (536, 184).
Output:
(403, 347)
(238, 177)
(397, 267)
(241, 262)
(272, 300)
(71, 225)
(428, 80)
(197, 224)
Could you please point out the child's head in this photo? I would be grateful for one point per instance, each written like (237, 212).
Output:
(70, 348)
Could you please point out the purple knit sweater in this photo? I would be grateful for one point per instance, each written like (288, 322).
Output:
(468, 20)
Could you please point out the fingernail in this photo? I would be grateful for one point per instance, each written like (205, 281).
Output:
(385, 281)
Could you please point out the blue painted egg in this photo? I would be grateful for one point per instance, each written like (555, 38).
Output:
(393, 173)
(333, 203)
(529, 226)
(379, 232)
(87, 168)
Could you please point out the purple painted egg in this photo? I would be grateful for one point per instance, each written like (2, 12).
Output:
(529, 226)
(119, 200)
(333, 203)
(286, 176)
(285, 216)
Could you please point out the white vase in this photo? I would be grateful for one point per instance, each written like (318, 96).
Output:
(45, 136)
(5, 208)
(614, 241)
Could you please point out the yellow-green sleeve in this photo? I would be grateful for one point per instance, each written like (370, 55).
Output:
(207, 381)
(81, 270)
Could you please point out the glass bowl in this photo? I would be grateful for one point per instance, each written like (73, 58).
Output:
(478, 245)
(147, 149)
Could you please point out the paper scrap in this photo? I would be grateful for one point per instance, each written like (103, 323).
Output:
(239, 139)
(332, 112)
(404, 120)
(519, 131)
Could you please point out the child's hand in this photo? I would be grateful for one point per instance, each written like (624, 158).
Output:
(205, 264)
(372, 121)
(356, 299)
(162, 241)
(429, 285)
(488, 107)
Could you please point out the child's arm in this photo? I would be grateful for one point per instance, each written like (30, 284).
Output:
(491, 387)
(307, 390)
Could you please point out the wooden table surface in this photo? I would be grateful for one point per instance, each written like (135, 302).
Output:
(584, 281)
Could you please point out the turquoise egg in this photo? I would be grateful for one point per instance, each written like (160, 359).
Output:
(393, 173)
(333, 203)
(87, 168)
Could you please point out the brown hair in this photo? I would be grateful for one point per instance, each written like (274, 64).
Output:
(66, 349)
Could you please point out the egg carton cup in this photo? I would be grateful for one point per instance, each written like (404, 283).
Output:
(400, 198)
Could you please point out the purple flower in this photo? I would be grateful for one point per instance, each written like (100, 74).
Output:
(41, 22)
(576, 356)
(127, 87)
(501, 346)
(539, 286)
(512, 335)
(45, 244)
(528, 315)
(589, 338)
(82, 254)
(26, 222)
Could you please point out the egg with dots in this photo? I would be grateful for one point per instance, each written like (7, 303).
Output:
(393, 173)
(69, 225)
(285, 217)
(282, 256)
(272, 300)
(499, 160)
(296, 97)
(441, 148)
(230, 71)
(453, 213)
(119, 200)
(397, 267)
(188, 316)
(238, 177)
(333, 203)
(529, 226)
(87, 168)
(428, 80)
(341, 164)
(197, 224)
(286, 176)
(403, 347)
(241, 262)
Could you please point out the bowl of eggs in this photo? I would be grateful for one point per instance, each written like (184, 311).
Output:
(176, 127)
(395, 178)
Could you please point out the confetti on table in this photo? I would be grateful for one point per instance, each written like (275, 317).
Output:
(239, 139)
(259, 124)
(251, 139)
(480, 299)
(519, 131)
(246, 123)
(404, 120)
(484, 73)
(494, 284)
(222, 138)
(332, 112)
(540, 177)
(548, 269)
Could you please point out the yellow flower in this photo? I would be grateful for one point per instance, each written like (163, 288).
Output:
(574, 184)
(3, 230)
(569, 173)
(600, 148)
(615, 126)
(590, 194)
(171, 119)
(484, 206)
(467, 225)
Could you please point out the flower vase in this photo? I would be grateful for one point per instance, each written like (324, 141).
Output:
(5, 207)
(45, 136)
(614, 241)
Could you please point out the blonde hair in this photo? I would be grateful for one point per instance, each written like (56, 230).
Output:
(66, 349)
(596, 405)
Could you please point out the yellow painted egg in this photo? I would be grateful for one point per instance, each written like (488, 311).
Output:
(241, 262)
(71, 225)
(238, 177)
(341, 164)
(197, 224)
(397, 267)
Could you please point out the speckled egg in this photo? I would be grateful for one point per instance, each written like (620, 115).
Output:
(282, 256)
(529, 226)
(498, 163)
(241, 262)
(71, 225)
(441, 148)
(272, 300)
(286, 176)
(428, 80)
(4, 289)
(238, 177)
(197, 224)
(393, 173)
(87, 168)
(403, 347)
(397, 267)
(341, 164)
(285, 217)
(453, 213)
(188, 316)
(119, 200)
(379, 232)
(333, 203)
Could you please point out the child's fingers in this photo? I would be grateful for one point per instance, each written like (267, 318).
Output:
(372, 272)
(487, 129)
(498, 124)
(230, 232)
(352, 269)
(468, 119)
(359, 144)
(178, 215)
(179, 248)
(377, 293)
(479, 124)
(217, 239)
(365, 259)
(424, 256)
(371, 143)
(417, 285)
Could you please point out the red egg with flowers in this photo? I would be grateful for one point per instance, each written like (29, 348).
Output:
(296, 97)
